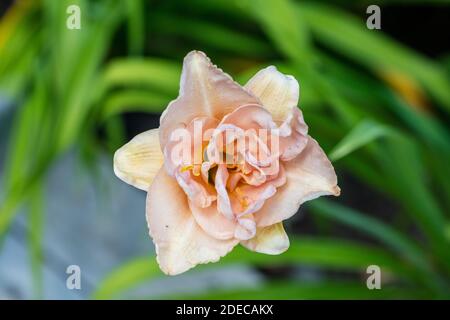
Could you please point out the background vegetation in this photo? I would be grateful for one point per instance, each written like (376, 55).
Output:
(379, 109)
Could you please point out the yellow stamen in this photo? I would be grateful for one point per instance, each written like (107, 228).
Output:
(244, 202)
(243, 199)
(196, 170)
(186, 168)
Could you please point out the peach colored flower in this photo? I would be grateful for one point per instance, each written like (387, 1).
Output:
(199, 207)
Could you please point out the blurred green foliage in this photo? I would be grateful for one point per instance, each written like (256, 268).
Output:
(370, 102)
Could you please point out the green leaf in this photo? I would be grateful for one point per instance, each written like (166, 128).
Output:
(362, 134)
(35, 238)
(327, 253)
(405, 171)
(306, 290)
(289, 34)
(77, 103)
(150, 73)
(29, 132)
(382, 104)
(349, 36)
(218, 36)
(126, 276)
(132, 101)
(136, 29)
(385, 234)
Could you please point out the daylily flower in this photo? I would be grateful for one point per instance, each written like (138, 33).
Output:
(198, 207)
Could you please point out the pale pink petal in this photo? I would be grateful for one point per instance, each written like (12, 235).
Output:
(278, 93)
(292, 135)
(269, 240)
(220, 148)
(205, 90)
(200, 129)
(213, 222)
(308, 176)
(250, 116)
(279, 179)
(223, 200)
(138, 161)
(254, 178)
(233, 179)
(255, 197)
(246, 228)
(180, 242)
(198, 192)
(185, 146)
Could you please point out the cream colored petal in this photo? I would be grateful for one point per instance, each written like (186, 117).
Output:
(205, 90)
(308, 176)
(269, 240)
(180, 242)
(278, 93)
(138, 161)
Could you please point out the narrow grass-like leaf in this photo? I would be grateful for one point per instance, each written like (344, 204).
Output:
(133, 101)
(373, 227)
(365, 132)
(350, 36)
(35, 238)
(136, 26)
(155, 73)
(326, 253)
(306, 290)
(218, 37)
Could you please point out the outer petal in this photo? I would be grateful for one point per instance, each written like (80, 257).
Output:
(138, 161)
(269, 240)
(205, 90)
(180, 243)
(309, 176)
(278, 93)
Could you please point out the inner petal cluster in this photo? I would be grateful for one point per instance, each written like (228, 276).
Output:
(229, 168)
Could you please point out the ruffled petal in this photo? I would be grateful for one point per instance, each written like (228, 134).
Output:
(250, 116)
(205, 90)
(180, 242)
(138, 161)
(308, 176)
(213, 222)
(293, 135)
(246, 228)
(185, 147)
(269, 240)
(224, 205)
(198, 192)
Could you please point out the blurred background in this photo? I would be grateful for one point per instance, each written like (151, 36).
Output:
(377, 101)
